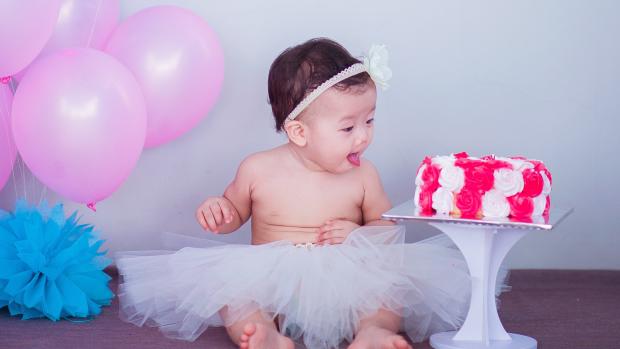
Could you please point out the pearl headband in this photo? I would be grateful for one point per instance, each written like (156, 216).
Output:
(375, 64)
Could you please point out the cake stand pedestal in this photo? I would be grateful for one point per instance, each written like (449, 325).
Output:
(484, 244)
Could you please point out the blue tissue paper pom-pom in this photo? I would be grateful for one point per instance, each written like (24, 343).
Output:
(50, 266)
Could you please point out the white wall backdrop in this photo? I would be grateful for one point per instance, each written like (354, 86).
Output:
(533, 78)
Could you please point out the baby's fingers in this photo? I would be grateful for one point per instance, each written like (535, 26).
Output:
(205, 219)
(217, 213)
(329, 237)
(332, 241)
(344, 224)
(227, 213)
(208, 217)
(336, 240)
(200, 217)
(326, 227)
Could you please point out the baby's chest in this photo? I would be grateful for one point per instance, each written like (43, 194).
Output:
(308, 200)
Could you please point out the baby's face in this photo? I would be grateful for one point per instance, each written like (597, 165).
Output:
(340, 127)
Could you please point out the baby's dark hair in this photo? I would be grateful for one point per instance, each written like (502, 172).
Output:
(302, 68)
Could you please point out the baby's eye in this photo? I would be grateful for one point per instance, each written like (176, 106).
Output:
(348, 129)
(370, 121)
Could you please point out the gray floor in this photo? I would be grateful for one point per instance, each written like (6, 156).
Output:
(561, 309)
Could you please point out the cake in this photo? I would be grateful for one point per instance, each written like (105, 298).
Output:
(496, 187)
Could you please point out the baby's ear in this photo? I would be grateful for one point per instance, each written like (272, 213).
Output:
(296, 132)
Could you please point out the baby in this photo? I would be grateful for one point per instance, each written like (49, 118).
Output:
(316, 188)
(322, 266)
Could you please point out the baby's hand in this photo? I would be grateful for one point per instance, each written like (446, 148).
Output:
(215, 212)
(335, 231)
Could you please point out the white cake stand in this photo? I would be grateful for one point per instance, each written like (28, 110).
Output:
(484, 244)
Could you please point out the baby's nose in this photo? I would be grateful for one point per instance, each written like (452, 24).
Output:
(362, 136)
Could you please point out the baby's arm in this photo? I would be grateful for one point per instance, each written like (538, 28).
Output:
(225, 214)
(374, 204)
(376, 201)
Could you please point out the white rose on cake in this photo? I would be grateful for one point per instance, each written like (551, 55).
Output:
(416, 196)
(452, 178)
(443, 161)
(517, 164)
(546, 183)
(418, 177)
(443, 200)
(495, 205)
(509, 182)
(540, 202)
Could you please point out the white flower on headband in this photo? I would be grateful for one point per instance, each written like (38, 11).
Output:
(377, 65)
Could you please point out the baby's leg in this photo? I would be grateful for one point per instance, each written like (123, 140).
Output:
(379, 331)
(256, 332)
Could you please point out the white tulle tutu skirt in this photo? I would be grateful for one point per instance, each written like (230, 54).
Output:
(318, 294)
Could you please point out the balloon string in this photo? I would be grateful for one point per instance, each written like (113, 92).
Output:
(7, 132)
(19, 165)
(43, 192)
(19, 162)
(92, 27)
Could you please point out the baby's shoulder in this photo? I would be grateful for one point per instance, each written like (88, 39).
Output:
(260, 161)
(367, 168)
(368, 172)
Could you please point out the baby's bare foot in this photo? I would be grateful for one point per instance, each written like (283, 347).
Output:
(259, 336)
(373, 337)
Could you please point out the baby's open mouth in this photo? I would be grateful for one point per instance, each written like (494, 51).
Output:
(354, 158)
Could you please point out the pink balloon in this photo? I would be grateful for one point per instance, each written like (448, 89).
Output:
(7, 147)
(81, 23)
(179, 64)
(25, 27)
(79, 122)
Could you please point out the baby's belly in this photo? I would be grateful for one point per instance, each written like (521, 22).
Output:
(264, 232)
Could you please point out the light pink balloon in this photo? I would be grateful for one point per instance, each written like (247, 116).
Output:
(81, 23)
(25, 27)
(84, 23)
(7, 147)
(79, 122)
(179, 64)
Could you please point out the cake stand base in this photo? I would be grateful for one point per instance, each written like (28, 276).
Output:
(445, 341)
